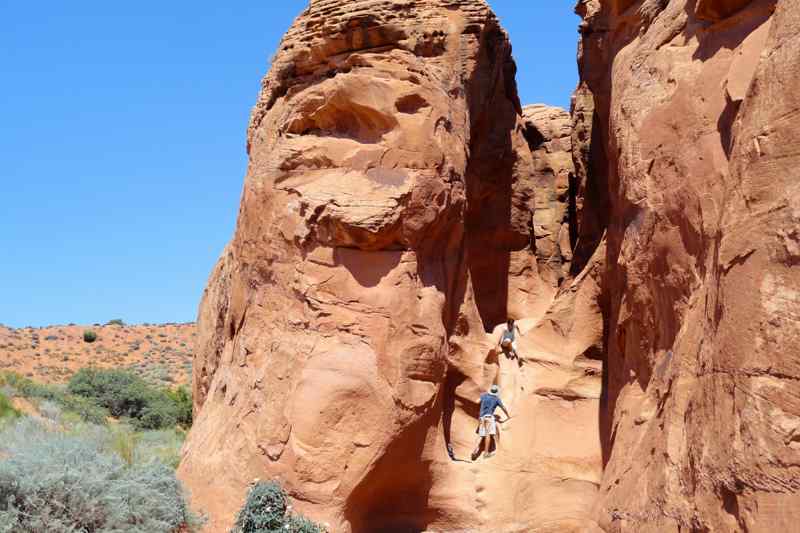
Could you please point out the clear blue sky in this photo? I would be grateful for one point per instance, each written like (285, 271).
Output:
(122, 143)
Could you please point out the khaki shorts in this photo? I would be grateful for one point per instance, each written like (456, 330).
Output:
(487, 426)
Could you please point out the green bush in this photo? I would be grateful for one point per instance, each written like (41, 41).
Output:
(89, 336)
(7, 409)
(125, 394)
(266, 511)
(301, 524)
(53, 481)
(115, 322)
(160, 412)
(85, 408)
(119, 391)
(28, 388)
(183, 400)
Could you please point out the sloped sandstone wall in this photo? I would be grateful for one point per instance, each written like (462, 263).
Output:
(388, 221)
(694, 106)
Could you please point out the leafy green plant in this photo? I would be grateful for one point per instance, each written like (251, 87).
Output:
(89, 336)
(7, 409)
(301, 524)
(125, 394)
(182, 398)
(266, 510)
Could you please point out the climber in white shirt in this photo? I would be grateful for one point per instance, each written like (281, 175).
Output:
(508, 340)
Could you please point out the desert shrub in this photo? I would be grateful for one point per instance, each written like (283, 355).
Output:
(160, 412)
(50, 410)
(86, 409)
(115, 322)
(58, 482)
(161, 445)
(89, 336)
(123, 441)
(125, 394)
(301, 524)
(266, 510)
(7, 409)
(119, 391)
(28, 388)
(183, 400)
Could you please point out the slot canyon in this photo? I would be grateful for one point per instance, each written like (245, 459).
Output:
(400, 202)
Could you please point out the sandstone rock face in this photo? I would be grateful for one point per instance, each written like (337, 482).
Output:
(548, 193)
(399, 204)
(394, 211)
(548, 131)
(694, 109)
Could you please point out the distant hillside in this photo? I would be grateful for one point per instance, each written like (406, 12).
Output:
(160, 353)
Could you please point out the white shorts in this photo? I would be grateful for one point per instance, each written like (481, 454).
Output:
(506, 344)
(487, 426)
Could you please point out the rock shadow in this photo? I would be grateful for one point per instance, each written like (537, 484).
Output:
(393, 496)
(368, 268)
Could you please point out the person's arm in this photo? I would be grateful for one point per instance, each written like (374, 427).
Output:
(503, 407)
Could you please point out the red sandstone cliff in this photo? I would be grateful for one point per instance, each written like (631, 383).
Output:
(697, 143)
(399, 203)
(397, 206)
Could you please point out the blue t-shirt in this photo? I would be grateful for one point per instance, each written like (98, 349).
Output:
(489, 403)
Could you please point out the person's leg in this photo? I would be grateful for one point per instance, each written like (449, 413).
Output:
(491, 432)
(516, 354)
(477, 450)
(481, 437)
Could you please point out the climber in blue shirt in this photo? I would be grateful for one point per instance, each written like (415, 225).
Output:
(487, 426)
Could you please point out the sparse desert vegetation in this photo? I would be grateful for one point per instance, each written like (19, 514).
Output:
(160, 354)
(96, 454)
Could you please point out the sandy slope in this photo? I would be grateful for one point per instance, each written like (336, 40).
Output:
(162, 353)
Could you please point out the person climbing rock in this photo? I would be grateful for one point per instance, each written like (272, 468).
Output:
(508, 340)
(487, 426)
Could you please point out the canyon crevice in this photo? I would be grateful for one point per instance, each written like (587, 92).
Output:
(400, 203)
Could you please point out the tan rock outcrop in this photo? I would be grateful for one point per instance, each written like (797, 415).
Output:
(388, 220)
(694, 113)
(548, 131)
(399, 204)
(547, 194)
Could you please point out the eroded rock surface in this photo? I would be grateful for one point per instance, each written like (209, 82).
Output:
(388, 221)
(399, 204)
(548, 131)
(695, 108)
